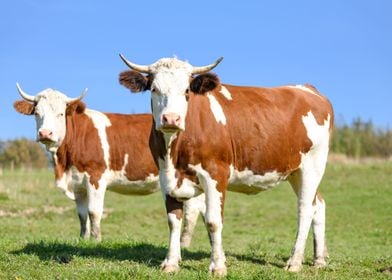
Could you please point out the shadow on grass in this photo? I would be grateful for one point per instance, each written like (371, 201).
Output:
(63, 252)
(144, 253)
(259, 260)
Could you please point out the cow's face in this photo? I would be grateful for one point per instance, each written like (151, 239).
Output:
(169, 90)
(50, 108)
(169, 82)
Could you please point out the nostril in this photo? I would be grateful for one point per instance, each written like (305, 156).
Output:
(45, 133)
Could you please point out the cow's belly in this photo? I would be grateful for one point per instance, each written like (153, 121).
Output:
(249, 183)
(120, 184)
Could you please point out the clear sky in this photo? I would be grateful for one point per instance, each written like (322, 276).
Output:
(344, 48)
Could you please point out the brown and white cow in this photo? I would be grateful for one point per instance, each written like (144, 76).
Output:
(94, 151)
(210, 137)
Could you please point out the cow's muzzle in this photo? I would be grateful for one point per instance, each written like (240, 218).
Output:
(171, 123)
(45, 136)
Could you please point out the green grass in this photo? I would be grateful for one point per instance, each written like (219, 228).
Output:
(39, 232)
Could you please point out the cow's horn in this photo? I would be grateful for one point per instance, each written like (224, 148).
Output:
(137, 67)
(204, 69)
(25, 96)
(69, 99)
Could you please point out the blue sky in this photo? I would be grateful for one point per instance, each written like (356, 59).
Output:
(344, 48)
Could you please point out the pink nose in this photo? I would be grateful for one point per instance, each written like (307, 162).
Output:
(44, 134)
(171, 119)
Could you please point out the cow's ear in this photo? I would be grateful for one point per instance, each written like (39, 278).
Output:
(76, 106)
(24, 107)
(135, 81)
(204, 83)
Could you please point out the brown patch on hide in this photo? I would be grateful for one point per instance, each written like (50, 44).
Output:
(129, 135)
(174, 206)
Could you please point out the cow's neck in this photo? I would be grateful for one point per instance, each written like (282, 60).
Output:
(62, 158)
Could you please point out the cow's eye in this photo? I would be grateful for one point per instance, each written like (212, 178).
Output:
(60, 115)
(153, 90)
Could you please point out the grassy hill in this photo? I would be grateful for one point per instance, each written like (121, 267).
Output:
(39, 232)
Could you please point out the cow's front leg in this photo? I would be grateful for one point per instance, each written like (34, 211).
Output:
(174, 219)
(214, 183)
(95, 208)
(82, 208)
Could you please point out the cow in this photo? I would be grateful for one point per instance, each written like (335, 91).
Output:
(94, 151)
(210, 137)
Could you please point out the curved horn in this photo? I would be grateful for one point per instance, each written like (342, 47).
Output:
(204, 69)
(69, 99)
(25, 96)
(140, 68)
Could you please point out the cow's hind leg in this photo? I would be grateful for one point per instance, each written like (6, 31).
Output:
(192, 208)
(305, 182)
(318, 226)
(82, 208)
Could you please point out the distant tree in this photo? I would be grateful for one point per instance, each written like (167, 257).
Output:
(23, 153)
(362, 139)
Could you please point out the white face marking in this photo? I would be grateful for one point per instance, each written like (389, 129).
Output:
(101, 122)
(246, 181)
(305, 88)
(50, 116)
(216, 109)
(168, 89)
(226, 93)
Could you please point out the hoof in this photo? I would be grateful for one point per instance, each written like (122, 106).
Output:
(219, 272)
(319, 263)
(293, 268)
(169, 268)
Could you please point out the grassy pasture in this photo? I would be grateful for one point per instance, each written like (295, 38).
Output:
(39, 232)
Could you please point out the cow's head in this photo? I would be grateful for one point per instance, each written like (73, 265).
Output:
(169, 81)
(50, 108)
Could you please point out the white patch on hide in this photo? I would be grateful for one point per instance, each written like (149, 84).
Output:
(65, 185)
(216, 109)
(319, 135)
(188, 189)
(247, 182)
(213, 196)
(305, 88)
(226, 93)
(101, 122)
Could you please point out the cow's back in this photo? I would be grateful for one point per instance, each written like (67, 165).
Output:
(267, 126)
